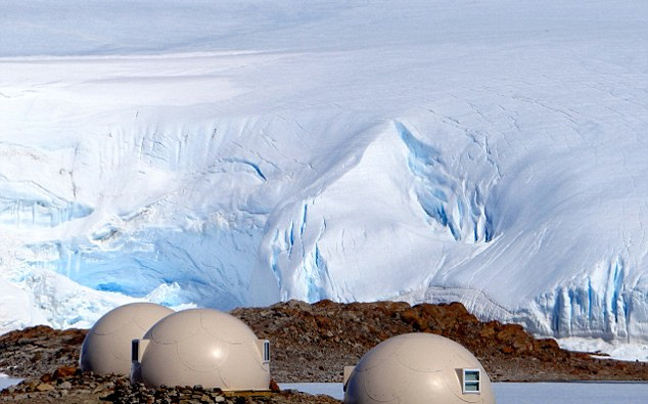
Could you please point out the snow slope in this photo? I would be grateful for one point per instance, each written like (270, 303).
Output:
(239, 153)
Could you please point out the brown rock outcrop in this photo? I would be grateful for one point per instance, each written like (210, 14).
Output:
(315, 342)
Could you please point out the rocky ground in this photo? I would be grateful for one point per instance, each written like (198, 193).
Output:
(315, 342)
(309, 343)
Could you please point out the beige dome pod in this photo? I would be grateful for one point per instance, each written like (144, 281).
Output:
(107, 346)
(202, 347)
(418, 369)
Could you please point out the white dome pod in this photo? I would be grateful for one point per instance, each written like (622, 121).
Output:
(202, 347)
(418, 369)
(107, 346)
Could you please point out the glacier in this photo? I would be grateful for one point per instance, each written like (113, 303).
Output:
(227, 154)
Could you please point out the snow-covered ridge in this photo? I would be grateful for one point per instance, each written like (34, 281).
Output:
(472, 151)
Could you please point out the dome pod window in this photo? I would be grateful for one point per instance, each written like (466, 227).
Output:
(471, 381)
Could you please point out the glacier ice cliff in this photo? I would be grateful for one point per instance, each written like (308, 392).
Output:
(469, 151)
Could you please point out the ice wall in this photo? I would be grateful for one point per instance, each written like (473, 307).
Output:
(222, 154)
